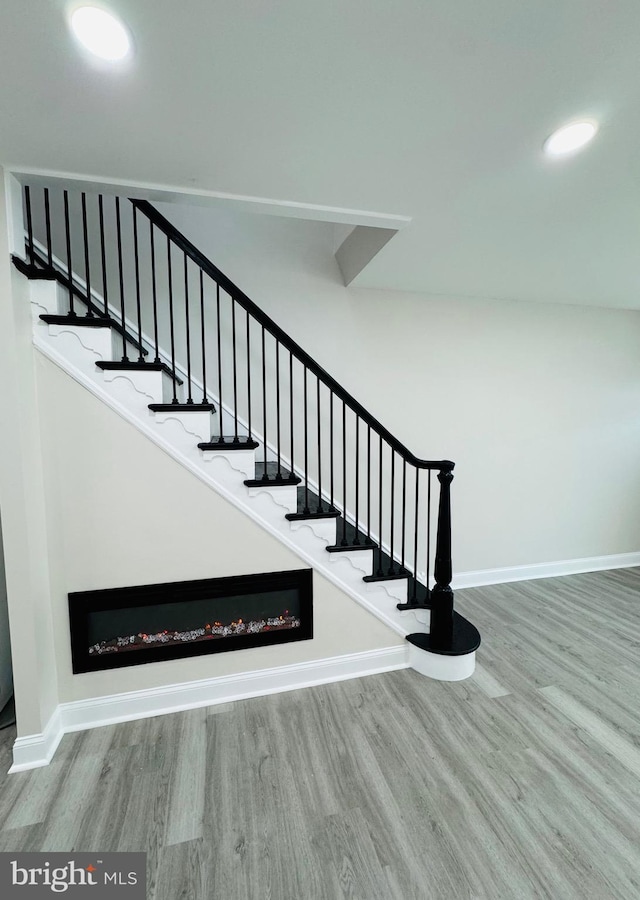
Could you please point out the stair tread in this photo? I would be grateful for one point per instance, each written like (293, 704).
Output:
(315, 508)
(354, 539)
(32, 271)
(417, 596)
(76, 320)
(182, 407)
(382, 564)
(270, 473)
(465, 639)
(114, 365)
(50, 273)
(242, 442)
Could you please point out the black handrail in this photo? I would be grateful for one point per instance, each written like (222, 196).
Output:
(234, 291)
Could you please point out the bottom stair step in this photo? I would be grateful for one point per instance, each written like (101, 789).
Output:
(464, 638)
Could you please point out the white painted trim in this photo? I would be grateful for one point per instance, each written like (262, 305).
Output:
(37, 750)
(168, 193)
(545, 570)
(440, 666)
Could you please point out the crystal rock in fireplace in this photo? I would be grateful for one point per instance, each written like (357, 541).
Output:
(149, 623)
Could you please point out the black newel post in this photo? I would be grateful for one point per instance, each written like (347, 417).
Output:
(441, 631)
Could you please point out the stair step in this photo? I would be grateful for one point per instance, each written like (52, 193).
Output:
(315, 508)
(270, 473)
(95, 321)
(353, 539)
(390, 571)
(84, 321)
(182, 407)
(418, 596)
(112, 365)
(465, 639)
(41, 269)
(31, 271)
(242, 442)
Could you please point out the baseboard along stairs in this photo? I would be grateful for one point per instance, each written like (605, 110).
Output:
(131, 310)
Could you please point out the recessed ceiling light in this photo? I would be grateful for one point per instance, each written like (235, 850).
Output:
(570, 138)
(101, 33)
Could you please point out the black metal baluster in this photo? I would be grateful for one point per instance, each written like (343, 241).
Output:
(357, 477)
(171, 325)
(219, 356)
(404, 511)
(416, 521)
(103, 255)
(428, 529)
(331, 449)
(369, 484)
(67, 231)
(379, 571)
(154, 293)
(249, 374)
(47, 219)
(392, 566)
(27, 200)
(279, 474)
(202, 339)
(319, 507)
(235, 371)
(188, 330)
(136, 259)
(85, 239)
(121, 278)
(306, 446)
(343, 542)
(265, 476)
(291, 408)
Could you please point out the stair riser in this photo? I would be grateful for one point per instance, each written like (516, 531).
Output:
(284, 496)
(324, 529)
(197, 425)
(442, 668)
(242, 461)
(47, 297)
(149, 386)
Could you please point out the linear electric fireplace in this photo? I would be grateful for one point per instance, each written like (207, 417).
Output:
(153, 622)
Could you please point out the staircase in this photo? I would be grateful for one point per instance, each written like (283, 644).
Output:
(136, 313)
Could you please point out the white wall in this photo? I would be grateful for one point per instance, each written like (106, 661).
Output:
(121, 512)
(22, 503)
(537, 404)
(6, 671)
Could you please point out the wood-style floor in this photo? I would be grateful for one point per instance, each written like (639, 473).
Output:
(523, 782)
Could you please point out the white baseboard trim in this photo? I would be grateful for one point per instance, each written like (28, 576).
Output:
(37, 750)
(545, 570)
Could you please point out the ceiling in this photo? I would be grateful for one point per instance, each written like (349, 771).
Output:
(431, 109)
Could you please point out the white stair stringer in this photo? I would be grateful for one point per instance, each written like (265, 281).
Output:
(129, 392)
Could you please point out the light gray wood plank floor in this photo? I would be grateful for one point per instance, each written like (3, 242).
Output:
(522, 782)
